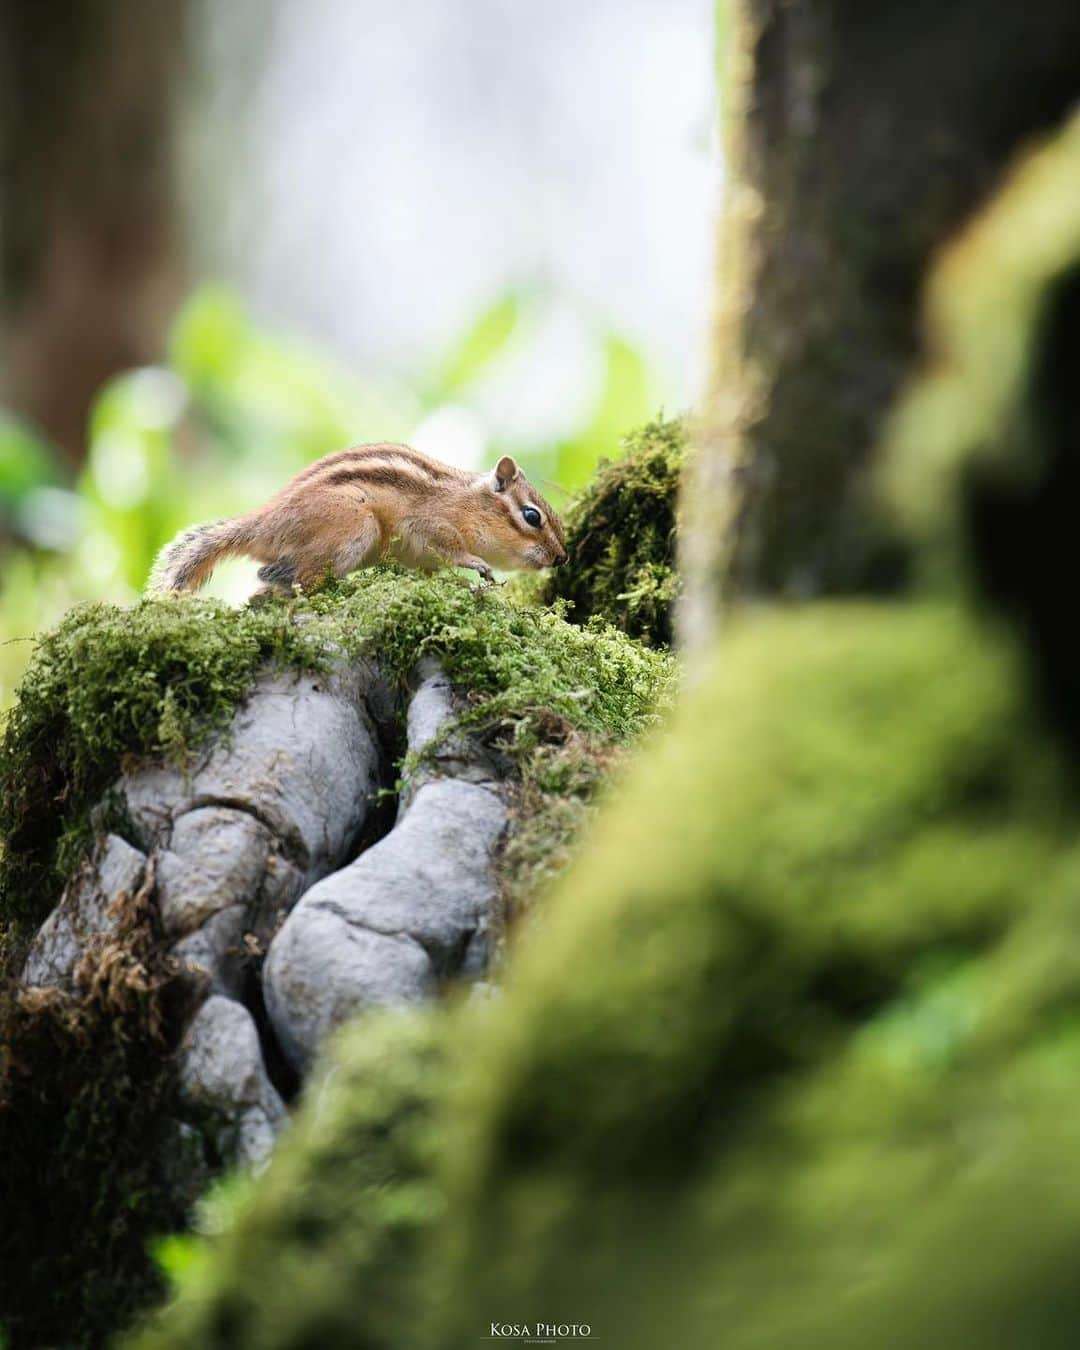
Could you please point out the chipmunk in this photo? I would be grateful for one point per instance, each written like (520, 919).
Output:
(356, 507)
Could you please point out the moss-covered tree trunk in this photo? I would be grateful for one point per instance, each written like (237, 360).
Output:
(860, 137)
(88, 244)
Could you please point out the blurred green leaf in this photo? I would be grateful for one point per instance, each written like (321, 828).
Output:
(268, 397)
(132, 483)
(207, 336)
(481, 344)
(623, 404)
(26, 463)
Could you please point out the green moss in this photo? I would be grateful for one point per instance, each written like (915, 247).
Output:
(156, 678)
(620, 535)
(109, 682)
(557, 796)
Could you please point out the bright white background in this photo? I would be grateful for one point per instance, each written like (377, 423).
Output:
(406, 161)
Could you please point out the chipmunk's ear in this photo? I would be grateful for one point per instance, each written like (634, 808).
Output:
(504, 474)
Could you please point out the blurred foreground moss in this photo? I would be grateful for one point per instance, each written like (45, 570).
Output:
(831, 994)
(795, 1059)
(358, 1192)
(812, 975)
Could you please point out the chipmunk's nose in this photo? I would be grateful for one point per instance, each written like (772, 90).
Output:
(562, 557)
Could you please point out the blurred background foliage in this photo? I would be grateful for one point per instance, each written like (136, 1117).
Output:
(230, 415)
(234, 238)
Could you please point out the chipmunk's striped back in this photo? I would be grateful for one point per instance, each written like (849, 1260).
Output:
(356, 506)
(385, 464)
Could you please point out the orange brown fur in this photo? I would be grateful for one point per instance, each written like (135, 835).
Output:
(372, 502)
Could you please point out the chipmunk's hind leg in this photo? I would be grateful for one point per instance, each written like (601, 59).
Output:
(281, 573)
(341, 548)
(363, 547)
(278, 578)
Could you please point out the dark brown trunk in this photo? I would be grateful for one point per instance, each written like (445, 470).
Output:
(861, 136)
(88, 250)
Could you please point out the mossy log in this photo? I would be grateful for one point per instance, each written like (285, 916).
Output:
(795, 1062)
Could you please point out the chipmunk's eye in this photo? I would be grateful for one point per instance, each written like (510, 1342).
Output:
(532, 516)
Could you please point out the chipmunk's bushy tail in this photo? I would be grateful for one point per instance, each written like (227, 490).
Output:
(186, 563)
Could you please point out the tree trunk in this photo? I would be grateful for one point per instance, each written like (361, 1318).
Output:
(862, 136)
(88, 254)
